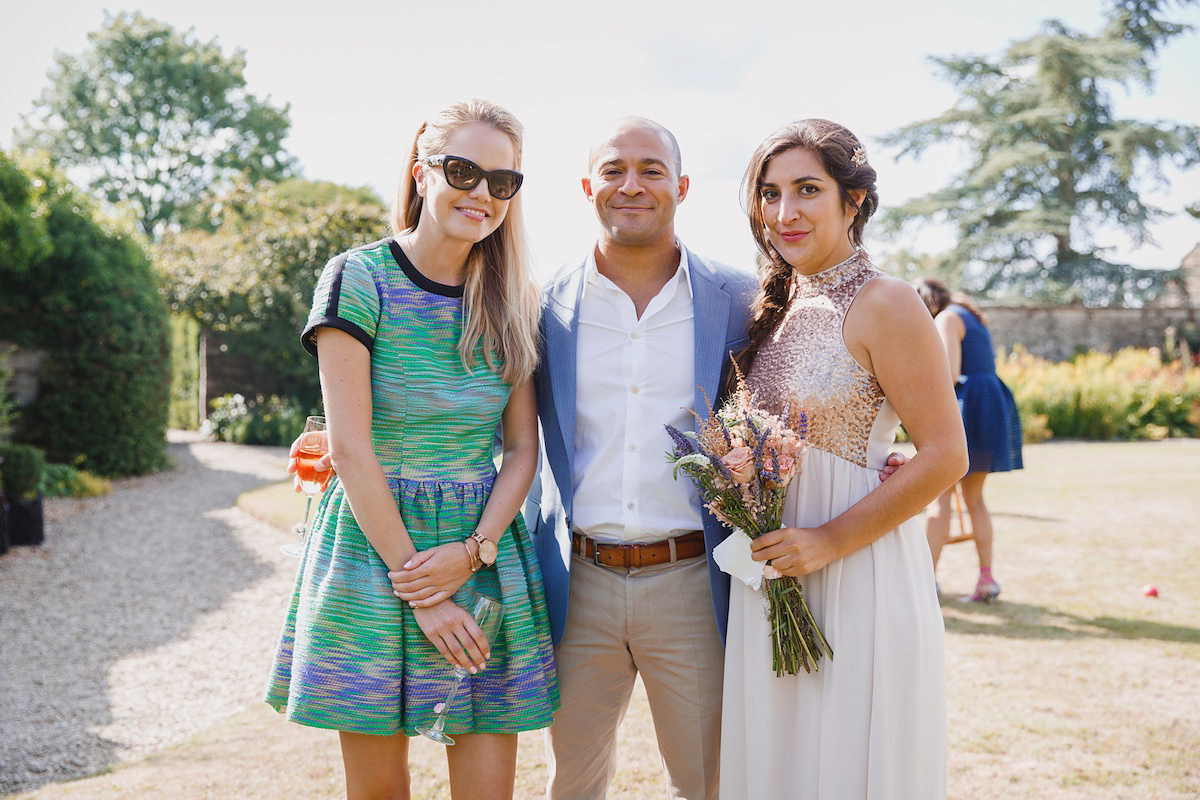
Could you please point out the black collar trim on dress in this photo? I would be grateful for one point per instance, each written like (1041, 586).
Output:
(416, 277)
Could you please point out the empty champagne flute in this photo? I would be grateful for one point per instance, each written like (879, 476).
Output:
(314, 443)
(488, 614)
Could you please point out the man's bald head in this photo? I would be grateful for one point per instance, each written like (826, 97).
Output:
(617, 127)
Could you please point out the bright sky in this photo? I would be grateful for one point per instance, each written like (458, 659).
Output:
(360, 75)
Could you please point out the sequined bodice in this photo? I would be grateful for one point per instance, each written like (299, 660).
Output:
(804, 363)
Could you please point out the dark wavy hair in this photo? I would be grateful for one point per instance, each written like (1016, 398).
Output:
(937, 297)
(836, 147)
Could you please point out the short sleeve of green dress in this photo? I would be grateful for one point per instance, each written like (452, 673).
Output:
(351, 656)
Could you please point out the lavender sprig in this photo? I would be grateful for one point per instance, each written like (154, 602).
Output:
(684, 445)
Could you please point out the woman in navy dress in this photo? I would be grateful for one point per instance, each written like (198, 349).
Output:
(989, 417)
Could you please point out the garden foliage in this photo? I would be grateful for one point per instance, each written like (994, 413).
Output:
(252, 280)
(185, 373)
(89, 300)
(21, 470)
(63, 480)
(1131, 394)
(271, 420)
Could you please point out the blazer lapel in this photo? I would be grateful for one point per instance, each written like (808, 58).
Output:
(562, 334)
(711, 305)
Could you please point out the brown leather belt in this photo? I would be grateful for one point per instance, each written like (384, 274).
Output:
(607, 554)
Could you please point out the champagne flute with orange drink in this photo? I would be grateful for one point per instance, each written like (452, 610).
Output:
(314, 443)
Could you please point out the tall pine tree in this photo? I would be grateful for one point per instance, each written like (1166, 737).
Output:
(1050, 163)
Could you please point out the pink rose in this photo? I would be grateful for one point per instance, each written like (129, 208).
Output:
(740, 462)
(784, 465)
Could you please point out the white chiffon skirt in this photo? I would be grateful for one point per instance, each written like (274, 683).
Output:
(871, 723)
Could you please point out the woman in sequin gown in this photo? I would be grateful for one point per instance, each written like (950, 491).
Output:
(858, 352)
(426, 340)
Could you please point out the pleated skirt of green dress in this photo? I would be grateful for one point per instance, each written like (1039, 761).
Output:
(351, 656)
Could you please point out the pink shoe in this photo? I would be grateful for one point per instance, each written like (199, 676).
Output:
(984, 593)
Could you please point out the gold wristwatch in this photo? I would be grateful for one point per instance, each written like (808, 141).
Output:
(487, 548)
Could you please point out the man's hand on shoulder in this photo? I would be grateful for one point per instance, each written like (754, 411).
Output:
(894, 462)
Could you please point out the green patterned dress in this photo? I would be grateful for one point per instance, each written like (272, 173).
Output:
(351, 656)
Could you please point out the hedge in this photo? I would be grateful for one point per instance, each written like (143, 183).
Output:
(92, 305)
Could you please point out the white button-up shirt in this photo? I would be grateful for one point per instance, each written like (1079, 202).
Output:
(632, 377)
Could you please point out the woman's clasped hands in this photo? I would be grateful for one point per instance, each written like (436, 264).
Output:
(426, 582)
(432, 575)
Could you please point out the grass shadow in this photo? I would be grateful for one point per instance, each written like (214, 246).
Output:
(1028, 621)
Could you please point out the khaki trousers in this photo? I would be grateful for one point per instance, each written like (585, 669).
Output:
(657, 621)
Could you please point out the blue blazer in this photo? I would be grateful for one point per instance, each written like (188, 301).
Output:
(721, 296)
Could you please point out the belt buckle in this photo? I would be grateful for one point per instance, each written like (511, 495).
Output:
(624, 549)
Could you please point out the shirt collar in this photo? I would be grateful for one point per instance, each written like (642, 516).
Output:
(592, 276)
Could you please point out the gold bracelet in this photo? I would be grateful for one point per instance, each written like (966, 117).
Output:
(474, 562)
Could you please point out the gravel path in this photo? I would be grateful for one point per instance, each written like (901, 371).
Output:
(149, 614)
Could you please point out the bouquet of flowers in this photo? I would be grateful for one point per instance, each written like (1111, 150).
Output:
(742, 459)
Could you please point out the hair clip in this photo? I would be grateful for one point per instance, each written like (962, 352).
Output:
(860, 157)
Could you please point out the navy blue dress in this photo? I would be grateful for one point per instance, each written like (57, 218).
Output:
(988, 410)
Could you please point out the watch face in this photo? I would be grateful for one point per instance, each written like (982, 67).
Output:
(487, 551)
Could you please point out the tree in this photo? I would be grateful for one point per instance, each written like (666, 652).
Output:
(1051, 164)
(89, 299)
(23, 236)
(253, 278)
(156, 120)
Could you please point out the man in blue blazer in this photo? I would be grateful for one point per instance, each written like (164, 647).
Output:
(634, 336)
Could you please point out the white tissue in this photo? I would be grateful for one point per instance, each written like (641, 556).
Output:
(733, 556)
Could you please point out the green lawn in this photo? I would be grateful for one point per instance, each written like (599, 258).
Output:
(1074, 685)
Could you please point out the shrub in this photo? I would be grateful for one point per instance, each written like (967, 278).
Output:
(251, 280)
(63, 480)
(8, 406)
(1130, 394)
(92, 304)
(226, 412)
(273, 421)
(22, 467)
(185, 373)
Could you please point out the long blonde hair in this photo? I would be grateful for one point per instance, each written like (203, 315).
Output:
(501, 301)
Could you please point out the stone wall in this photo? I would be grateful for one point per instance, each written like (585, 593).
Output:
(26, 366)
(1058, 332)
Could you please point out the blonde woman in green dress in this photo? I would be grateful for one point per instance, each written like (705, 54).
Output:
(425, 342)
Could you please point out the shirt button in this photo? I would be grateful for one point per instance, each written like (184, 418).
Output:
(629, 505)
(633, 448)
(635, 335)
(633, 389)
